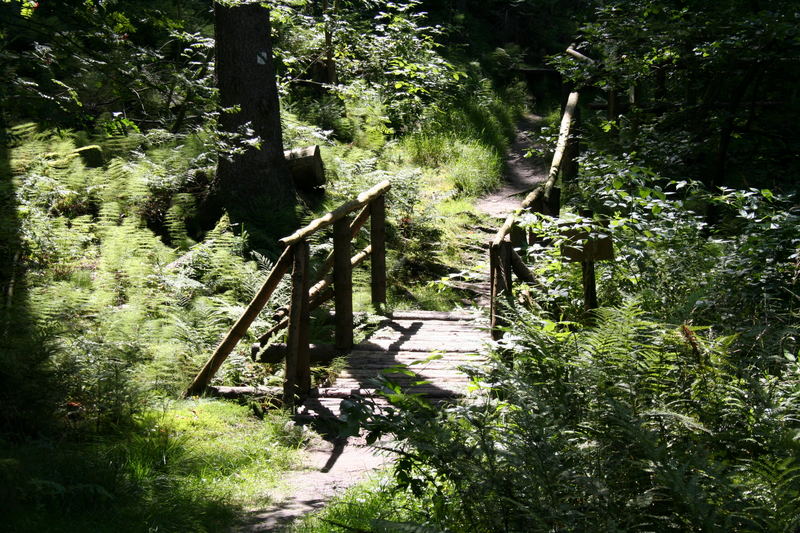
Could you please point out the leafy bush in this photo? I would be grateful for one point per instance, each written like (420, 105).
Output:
(630, 424)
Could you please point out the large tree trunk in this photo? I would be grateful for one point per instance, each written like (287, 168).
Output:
(255, 186)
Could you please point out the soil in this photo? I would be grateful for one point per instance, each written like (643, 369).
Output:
(521, 176)
(332, 467)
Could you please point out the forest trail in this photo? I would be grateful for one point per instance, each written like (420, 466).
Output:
(521, 175)
(453, 339)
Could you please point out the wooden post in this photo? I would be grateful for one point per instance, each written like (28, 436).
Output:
(342, 284)
(355, 225)
(551, 205)
(377, 235)
(500, 274)
(613, 104)
(494, 290)
(518, 236)
(297, 382)
(589, 286)
(320, 293)
(589, 281)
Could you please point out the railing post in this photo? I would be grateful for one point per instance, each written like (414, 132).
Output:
(500, 278)
(377, 235)
(589, 281)
(342, 284)
(551, 205)
(589, 286)
(298, 372)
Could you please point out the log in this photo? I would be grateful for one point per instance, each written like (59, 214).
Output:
(533, 202)
(340, 212)
(235, 393)
(569, 165)
(239, 329)
(574, 53)
(305, 165)
(563, 137)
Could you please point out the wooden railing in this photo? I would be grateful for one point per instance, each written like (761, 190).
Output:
(546, 198)
(305, 296)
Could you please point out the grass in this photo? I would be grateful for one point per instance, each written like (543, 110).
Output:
(468, 166)
(361, 508)
(191, 466)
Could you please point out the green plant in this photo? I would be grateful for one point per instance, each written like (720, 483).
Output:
(643, 425)
(187, 466)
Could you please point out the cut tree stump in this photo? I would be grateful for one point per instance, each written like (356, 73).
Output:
(305, 165)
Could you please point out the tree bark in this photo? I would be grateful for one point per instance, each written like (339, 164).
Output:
(254, 185)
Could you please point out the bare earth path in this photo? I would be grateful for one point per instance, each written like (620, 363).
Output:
(458, 338)
(522, 173)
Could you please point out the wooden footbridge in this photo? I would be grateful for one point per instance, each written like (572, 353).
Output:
(433, 344)
(421, 350)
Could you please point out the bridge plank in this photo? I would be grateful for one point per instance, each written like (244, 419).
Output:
(410, 338)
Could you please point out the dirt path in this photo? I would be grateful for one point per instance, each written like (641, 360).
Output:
(332, 467)
(522, 173)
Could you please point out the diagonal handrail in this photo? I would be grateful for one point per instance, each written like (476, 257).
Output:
(304, 297)
(503, 259)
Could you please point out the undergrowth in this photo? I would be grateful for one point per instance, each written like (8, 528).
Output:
(626, 425)
(188, 466)
(673, 408)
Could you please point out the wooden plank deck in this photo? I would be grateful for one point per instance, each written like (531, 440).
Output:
(433, 344)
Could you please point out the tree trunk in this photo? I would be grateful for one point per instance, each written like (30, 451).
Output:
(255, 185)
(720, 158)
(330, 62)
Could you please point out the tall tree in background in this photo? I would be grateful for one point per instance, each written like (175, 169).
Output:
(714, 85)
(253, 180)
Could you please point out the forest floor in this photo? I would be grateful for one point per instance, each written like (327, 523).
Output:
(332, 466)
